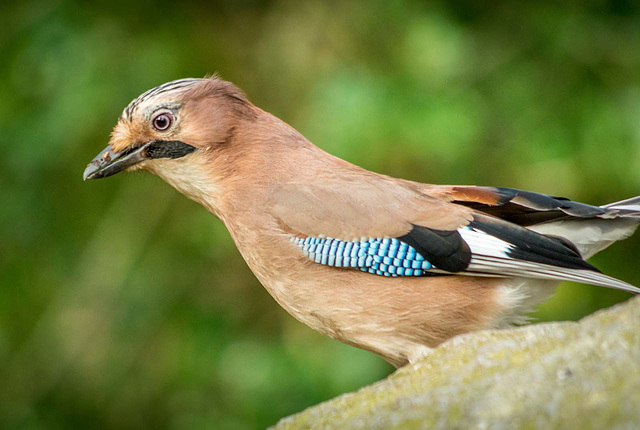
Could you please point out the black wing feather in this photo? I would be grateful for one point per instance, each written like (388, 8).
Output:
(444, 249)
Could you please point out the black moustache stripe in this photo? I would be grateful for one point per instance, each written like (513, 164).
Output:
(168, 149)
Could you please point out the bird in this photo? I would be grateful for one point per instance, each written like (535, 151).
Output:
(388, 265)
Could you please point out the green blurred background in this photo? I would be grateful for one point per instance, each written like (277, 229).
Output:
(125, 306)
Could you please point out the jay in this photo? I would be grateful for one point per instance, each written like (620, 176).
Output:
(384, 264)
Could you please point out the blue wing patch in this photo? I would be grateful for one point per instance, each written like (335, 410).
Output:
(387, 257)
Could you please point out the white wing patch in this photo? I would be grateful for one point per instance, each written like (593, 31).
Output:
(482, 243)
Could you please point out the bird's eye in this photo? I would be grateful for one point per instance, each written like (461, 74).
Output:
(162, 121)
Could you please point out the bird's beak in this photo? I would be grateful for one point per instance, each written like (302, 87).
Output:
(109, 163)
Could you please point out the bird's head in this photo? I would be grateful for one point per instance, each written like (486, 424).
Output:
(174, 130)
(170, 123)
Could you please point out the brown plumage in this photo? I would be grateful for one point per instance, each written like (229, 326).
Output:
(493, 253)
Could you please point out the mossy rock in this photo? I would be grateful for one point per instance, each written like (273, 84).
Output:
(568, 375)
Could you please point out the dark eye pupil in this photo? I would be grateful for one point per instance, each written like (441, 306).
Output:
(162, 122)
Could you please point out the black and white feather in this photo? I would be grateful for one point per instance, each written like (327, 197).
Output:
(518, 252)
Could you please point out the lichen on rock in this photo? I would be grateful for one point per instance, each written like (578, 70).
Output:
(566, 375)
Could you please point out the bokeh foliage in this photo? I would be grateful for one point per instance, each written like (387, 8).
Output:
(123, 305)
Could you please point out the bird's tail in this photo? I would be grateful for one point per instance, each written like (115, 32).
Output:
(592, 235)
(629, 208)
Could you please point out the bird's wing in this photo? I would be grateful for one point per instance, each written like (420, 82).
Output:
(400, 231)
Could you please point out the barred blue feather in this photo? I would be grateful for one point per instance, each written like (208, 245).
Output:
(386, 257)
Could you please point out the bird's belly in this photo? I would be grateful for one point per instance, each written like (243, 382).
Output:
(398, 318)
